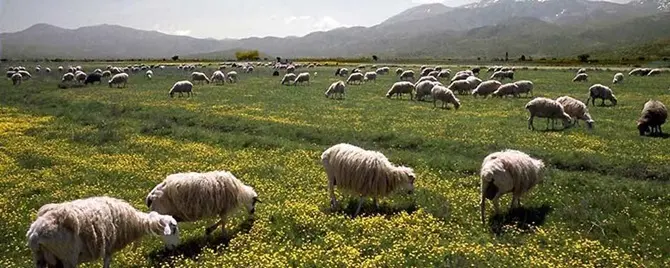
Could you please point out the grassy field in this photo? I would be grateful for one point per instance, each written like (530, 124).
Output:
(604, 202)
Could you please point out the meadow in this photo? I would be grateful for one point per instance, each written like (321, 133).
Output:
(604, 201)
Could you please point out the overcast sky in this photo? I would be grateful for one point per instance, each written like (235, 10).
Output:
(208, 18)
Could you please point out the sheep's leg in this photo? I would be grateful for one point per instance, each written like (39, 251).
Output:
(530, 122)
(496, 205)
(358, 209)
(482, 208)
(515, 202)
(331, 191)
(106, 260)
(374, 201)
(434, 103)
(211, 228)
(602, 103)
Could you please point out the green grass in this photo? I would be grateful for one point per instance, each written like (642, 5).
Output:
(604, 201)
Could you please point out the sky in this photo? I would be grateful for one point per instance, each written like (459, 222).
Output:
(217, 19)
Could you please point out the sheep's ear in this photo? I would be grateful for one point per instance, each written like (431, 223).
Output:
(167, 230)
(256, 200)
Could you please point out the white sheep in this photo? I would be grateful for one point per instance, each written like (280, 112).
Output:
(47, 70)
(654, 72)
(434, 74)
(426, 78)
(654, 114)
(618, 78)
(382, 71)
(60, 69)
(407, 75)
(68, 77)
(582, 77)
(501, 75)
(473, 81)
(399, 71)
(232, 77)
(38, 69)
(444, 95)
(355, 77)
(577, 110)
(581, 71)
(290, 69)
(199, 77)
(106, 74)
(117, 79)
(250, 69)
(426, 71)
(399, 88)
(336, 88)
(194, 196)
(25, 75)
(424, 88)
(460, 76)
(546, 108)
(506, 89)
(218, 77)
(149, 74)
(508, 171)
(16, 79)
(371, 76)
(599, 91)
(80, 76)
(181, 87)
(460, 86)
(444, 74)
(84, 230)
(288, 78)
(97, 71)
(364, 173)
(486, 88)
(525, 86)
(344, 72)
(301, 78)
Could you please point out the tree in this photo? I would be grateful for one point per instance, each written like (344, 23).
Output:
(247, 55)
(584, 57)
(175, 58)
(523, 58)
(506, 56)
(375, 58)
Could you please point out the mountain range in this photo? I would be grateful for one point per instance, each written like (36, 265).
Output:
(488, 28)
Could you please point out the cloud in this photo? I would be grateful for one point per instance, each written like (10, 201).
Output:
(182, 32)
(326, 23)
(426, 1)
(291, 19)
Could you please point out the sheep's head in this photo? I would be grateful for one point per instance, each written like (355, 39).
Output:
(251, 200)
(409, 178)
(457, 103)
(589, 123)
(167, 228)
(642, 127)
(613, 99)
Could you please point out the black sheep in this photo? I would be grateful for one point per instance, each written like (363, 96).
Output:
(275, 73)
(93, 77)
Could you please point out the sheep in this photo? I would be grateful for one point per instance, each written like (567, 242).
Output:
(546, 108)
(250, 69)
(67, 77)
(434, 74)
(654, 114)
(194, 196)
(118, 79)
(581, 78)
(16, 79)
(508, 171)
(106, 74)
(476, 70)
(577, 110)
(355, 77)
(371, 76)
(601, 92)
(275, 73)
(301, 78)
(232, 77)
(80, 76)
(474, 82)
(506, 89)
(218, 77)
(460, 86)
(444, 74)
(445, 95)
(290, 69)
(344, 72)
(424, 88)
(399, 71)
(460, 76)
(636, 71)
(399, 88)
(38, 69)
(92, 78)
(407, 75)
(84, 230)
(199, 77)
(356, 71)
(288, 78)
(21, 68)
(60, 69)
(25, 75)
(10, 73)
(581, 71)
(525, 86)
(382, 71)
(426, 71)
(181, 87)
(97, 71)
(149, 74)
(501, 75)
(336, 88)
(654, 72)
(618, 78)
(426, 78)
(486, 88)
(363, 172)
(337, 71)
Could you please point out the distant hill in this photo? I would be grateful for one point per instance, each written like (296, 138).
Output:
(489, 28)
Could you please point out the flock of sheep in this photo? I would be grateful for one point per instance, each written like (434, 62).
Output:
(67, 234)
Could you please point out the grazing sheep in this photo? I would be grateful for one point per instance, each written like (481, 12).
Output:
(399, 88)
(636, 71)
(459, 76)
(581, 78)
(508, 171)
(382, 71)
(356, 71)
(149, 74)
(474, 82)
(426, 71)
(460, 86)
(438, 68)
(577, 110)
(653, 116)
(84, 230)
(618, 78)
(337, 71)
(117, 79)
(407, 75)
(546, 108)
(218, 77)
(434, 74)
(399, 71)
(232, 77)
(25, 75)
(181, 87)
(116, 70)
(250, 69)
(92, 78)
(525, 86)
(423, 67)
(336, 88)
(97, 71)
(426, 78)
(199, 77)
(344, 72)
(288, 79)
(194, 196)
(371, 76)
(654, 72)
(16, 79)
(60, 69)
(301, 78)
(38, 69)
(275, 73)
(10, 73)
(106, 74)
(507, 89)
(80, 76)
(444, 74)
(445, 95)
(365, 173)
(355, 77)
(424, 88)
(47, 70)
(599, 91)
(290, 69)
(486, 88)
(581, 71)
(68, 77)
